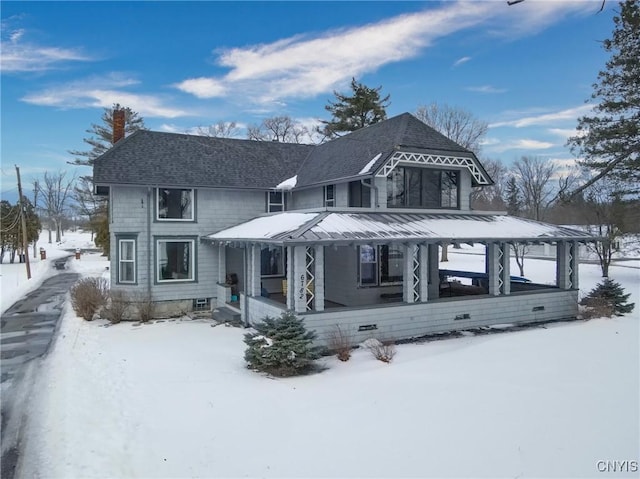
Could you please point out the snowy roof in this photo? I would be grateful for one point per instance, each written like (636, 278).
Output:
(343, 227)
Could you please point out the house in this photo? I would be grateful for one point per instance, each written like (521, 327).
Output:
(344, 233)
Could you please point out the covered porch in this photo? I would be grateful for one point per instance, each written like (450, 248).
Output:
(351, 268)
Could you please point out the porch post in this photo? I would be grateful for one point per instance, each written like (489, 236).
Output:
(254, 288)
(573, 263)
(222, 263)
(318, 303)
(408, 280)
(423, 258)
(290, 281)
(493, 262)
(506, 268)
(433, 271)
(299, 283)
(567, 264)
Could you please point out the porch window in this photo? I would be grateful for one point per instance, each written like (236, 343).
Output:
(422, 188)
(126, 260)
(174, 204)
(330, 195)
(175, 260)
(275, 201)
(272, 261)
(380, 265)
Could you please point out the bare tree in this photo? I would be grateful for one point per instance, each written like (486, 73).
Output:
(605, 215)
(56, 191)
(86, 203)
(279, 128)
(222, 129)
(455, 123)
(533, 176)
(491, 197)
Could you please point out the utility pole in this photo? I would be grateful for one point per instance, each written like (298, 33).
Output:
(25, 245)
(36, 189)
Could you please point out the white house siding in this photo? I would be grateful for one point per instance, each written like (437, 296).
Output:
(396, 322)
(216, 209)
(341, 279)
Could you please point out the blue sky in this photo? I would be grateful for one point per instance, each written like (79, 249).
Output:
(526, 69)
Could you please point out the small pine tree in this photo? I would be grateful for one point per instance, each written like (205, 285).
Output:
(610, 295)
(282, 346)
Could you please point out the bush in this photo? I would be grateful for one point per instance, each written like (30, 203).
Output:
(117, 307)
(382, 351)
(88, 295)
(145, 306)
(282, 347)
(340, 343)
(607, 299)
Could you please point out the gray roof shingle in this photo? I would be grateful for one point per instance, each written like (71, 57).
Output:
(154, 158)
(170, 159)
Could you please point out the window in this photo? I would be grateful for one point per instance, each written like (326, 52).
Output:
(422, 188)
(175, 260)
(330, 195)
(175, 204)
(126, 261)
(359, 195)
(381, 265)
(272, 261)
(275, 201)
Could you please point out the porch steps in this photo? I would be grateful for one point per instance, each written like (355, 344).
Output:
(223, 314)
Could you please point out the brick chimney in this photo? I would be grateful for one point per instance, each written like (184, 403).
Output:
(118, 125)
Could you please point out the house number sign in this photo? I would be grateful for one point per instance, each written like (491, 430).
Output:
(301, 294)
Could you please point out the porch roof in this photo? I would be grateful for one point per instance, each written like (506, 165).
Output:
(327, 227)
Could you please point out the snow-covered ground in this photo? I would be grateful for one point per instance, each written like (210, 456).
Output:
(13, 276)
(174, 399)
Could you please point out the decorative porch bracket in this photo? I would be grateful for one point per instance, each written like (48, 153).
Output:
(497, 257)
(411, 275)
(567, 265)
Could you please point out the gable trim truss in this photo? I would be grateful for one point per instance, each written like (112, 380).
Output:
(434, 160)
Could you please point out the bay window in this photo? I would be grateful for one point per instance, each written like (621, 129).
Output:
(422, 188)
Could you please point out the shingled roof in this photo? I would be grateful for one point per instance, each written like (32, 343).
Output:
(154, 158)
(170, 159)
(346, 156)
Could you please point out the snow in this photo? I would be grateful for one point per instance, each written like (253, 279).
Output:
(266, 226)
(369, 165)
(174, 399)
(13, 276)
(288, 184)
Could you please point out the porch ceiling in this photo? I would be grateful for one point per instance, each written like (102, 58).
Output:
(379, 227)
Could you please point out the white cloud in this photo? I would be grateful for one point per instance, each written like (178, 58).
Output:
(570, 114)
(460, 61)
(305, 66)
(522, 144)
(563, 132)
(22, 56)
(103, 92)
(486, 89)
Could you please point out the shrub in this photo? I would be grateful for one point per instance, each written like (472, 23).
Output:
(88, 295)
(117, 307)
(607, 299)
(382, 351)
(340, 343)
(281, 346)
(145, 307)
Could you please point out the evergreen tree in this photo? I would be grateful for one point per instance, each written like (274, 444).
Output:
(610, 295)
(282, 346)
(351, 112)
(609, 140)
(513, 199)
(102, 134)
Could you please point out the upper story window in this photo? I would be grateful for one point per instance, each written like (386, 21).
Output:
(175, 204)
(422, 188)
(275, 201)
(330, 195)
(359, 195)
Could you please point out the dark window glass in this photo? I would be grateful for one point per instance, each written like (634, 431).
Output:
(175, 260)
(359, 195)
(390, 264)
(272, 262)
(395, 188)
(175, 204)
